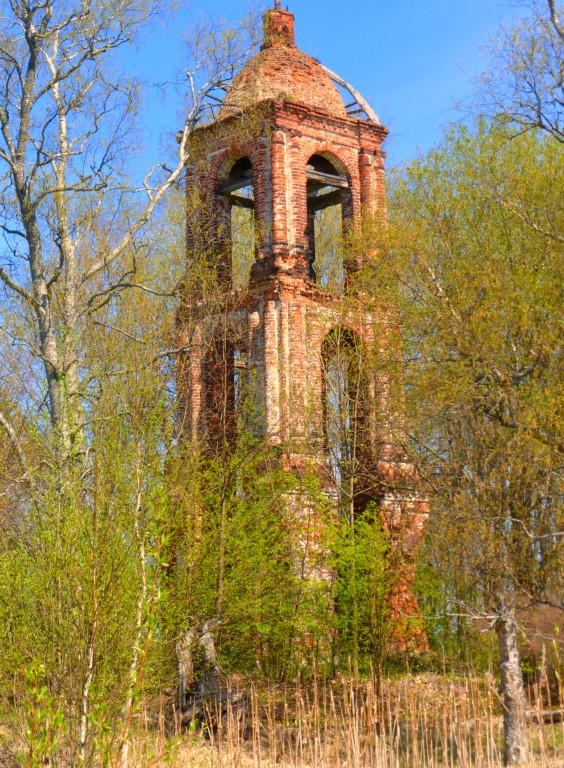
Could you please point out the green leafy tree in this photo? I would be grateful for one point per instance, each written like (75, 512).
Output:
(86, 413)
(363, 584)
(473, 237)
(244, 578)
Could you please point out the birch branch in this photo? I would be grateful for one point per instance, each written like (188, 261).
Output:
(18, 450)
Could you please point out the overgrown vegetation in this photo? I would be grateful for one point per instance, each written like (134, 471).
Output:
(119, 543)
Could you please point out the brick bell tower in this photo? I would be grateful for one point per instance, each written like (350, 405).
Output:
(283, 158)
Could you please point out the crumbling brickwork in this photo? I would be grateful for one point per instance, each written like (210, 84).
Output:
(283, 130)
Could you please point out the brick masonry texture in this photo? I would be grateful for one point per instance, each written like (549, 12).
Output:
(282, 71)
(281, 110)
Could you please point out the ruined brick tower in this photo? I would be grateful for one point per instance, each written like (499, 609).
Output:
(264, 341)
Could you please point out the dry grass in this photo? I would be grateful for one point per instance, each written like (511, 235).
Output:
(425, 721)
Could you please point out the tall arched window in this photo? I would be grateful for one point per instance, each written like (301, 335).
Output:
(328, 211)
(226, 389)
(346, 415)
(238, 193)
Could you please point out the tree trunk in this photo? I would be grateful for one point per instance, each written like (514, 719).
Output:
(512, 689)
(185, 660)
(198, 676)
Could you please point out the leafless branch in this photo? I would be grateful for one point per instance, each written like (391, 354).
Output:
(555, 19)
(22, 292)
(18, 450)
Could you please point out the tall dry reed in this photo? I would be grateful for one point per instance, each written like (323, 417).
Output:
(425, 721)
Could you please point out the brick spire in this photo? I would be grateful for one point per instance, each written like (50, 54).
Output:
(278, 28)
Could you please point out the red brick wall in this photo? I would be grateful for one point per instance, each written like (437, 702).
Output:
(282, 318)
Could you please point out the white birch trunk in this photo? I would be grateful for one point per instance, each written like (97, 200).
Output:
(512, 689)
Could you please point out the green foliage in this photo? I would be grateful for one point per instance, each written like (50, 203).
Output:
(454, 639)
(475, 243)
(44, 721)
(125, 539)
(329, 249)
(232, 529)
(80, 567)
(361, 593)
(243, 238)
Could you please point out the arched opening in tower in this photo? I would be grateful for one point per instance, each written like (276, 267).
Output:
(346, 418)
(238, 194)
(225, 389)
(328, 214)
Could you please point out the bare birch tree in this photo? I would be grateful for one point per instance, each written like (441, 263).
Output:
(70, 216)
(524, 87)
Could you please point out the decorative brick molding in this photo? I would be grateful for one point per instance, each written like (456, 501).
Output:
(284, 131)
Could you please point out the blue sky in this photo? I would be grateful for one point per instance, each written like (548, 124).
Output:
(414, 61)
